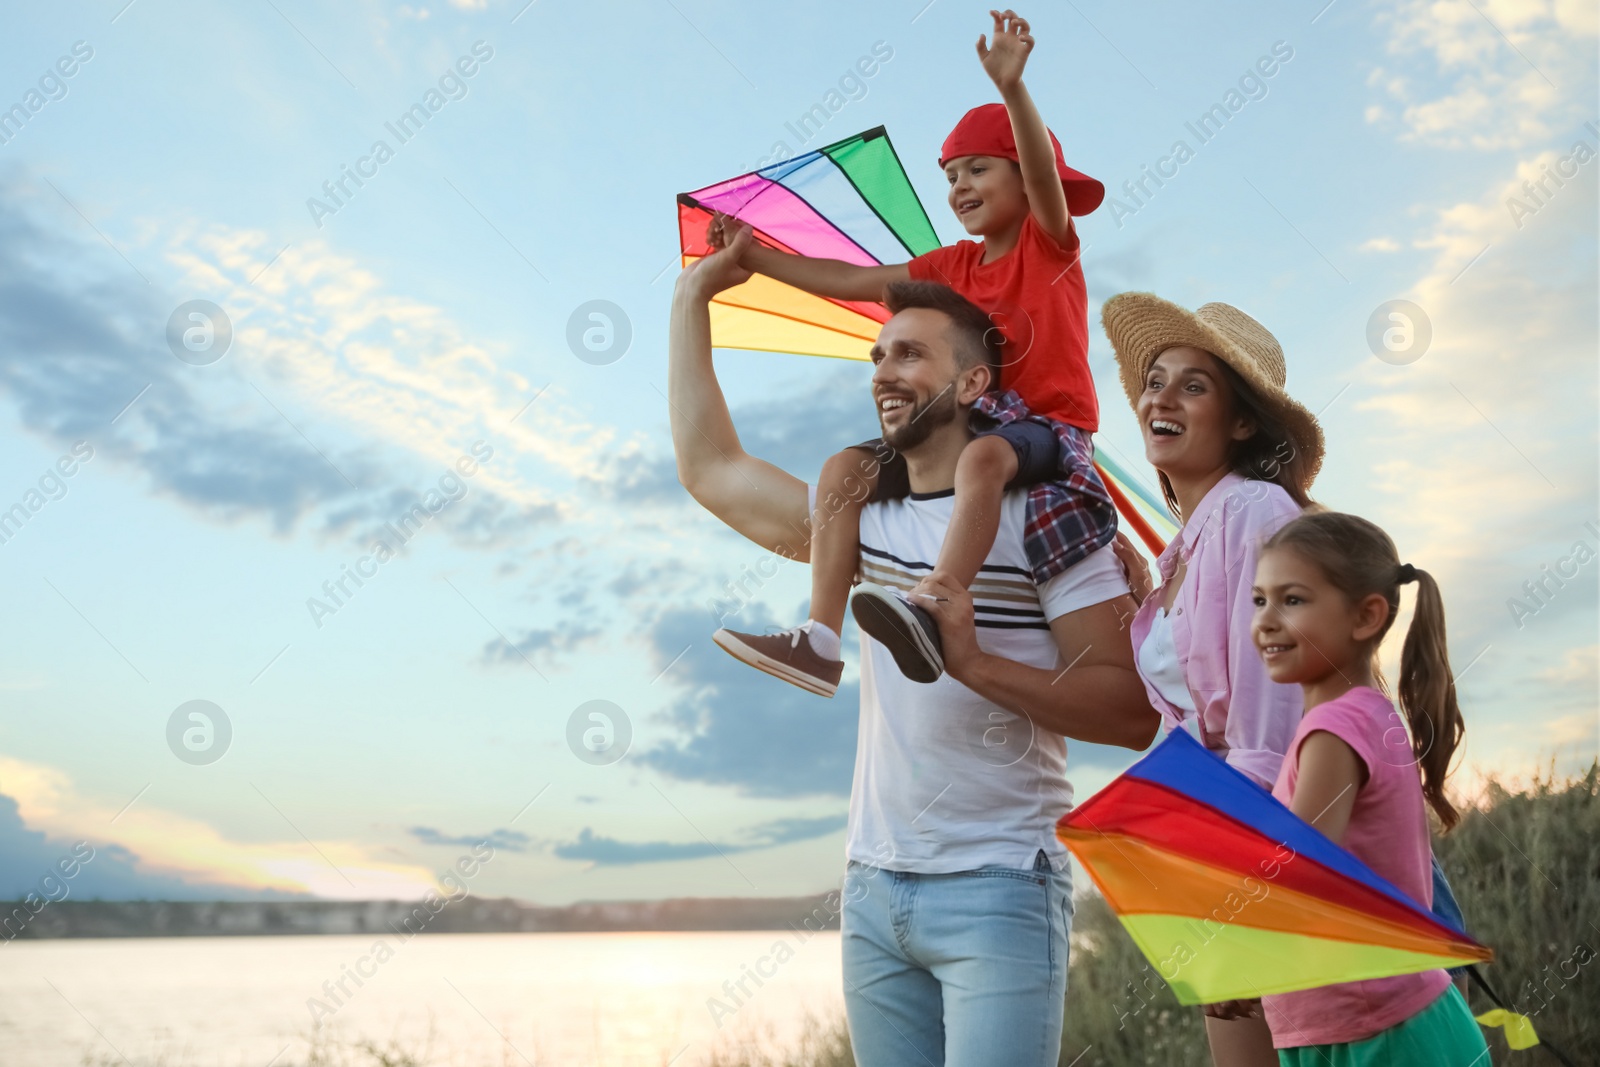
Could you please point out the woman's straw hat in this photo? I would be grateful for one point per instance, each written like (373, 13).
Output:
(1142, 325)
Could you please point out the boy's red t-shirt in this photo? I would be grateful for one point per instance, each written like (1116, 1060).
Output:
(1036, 294)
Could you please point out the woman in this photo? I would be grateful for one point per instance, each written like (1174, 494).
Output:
(1236, 457)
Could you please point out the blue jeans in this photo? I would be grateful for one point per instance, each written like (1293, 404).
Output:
(956, 970)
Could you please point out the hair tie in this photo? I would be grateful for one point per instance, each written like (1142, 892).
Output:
(1407, 574)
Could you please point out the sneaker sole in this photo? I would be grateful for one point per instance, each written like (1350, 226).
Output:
(750, 657)
(889, 622)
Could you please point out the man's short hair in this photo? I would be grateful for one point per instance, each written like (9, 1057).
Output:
(973, 335)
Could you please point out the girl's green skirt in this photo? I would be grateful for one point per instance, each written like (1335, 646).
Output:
(1444, 1034)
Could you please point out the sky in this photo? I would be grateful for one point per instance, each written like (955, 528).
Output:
(408, 339)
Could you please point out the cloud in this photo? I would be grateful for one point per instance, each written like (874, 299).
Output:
(638, 575)
(736, 726)
(797, 432)
(1578, 667)
(30, 862)
(610, 852)
(72, 358)
(338, 401)
(169, 850)
(783, 831)
(382, 364)
(1498, 298)
(1484, 75)
(740, 727)
(1133, 266)
(651, 542)
(1581, 731)
(540, 642)
(501, 840)
(384, 367)
(1480, 458)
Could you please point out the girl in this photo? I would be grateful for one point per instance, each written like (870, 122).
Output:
(1327, 588)
(1236, 456)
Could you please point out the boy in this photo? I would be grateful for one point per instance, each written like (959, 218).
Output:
(1009, 185)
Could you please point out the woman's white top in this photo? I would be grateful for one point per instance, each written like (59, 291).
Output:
(1158, 662)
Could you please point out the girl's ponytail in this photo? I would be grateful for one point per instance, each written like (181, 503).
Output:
(1428, 697)
(1359, 559)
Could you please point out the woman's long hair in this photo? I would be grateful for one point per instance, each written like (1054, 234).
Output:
(1268, 455)
(1359, 559)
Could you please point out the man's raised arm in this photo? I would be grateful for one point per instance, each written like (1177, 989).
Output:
(765, 503)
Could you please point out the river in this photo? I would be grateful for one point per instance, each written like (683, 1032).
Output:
(598, 1000)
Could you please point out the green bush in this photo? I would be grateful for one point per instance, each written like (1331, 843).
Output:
(1119, 1011)
(826, 1043)
(1525, 867)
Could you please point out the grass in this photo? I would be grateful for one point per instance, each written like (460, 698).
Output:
(1119, 1011)
(826, 1044)
(1525, 865)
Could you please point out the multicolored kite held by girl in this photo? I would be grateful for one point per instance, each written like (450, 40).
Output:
(1231, 896)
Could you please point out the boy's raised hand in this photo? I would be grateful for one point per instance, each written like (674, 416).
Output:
(721, 270)
(720, 231)
(1003, 61)
(717, 230)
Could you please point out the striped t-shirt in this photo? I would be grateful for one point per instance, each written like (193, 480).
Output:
(946, 780)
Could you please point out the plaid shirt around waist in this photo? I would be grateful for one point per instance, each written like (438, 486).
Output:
(1067, 518)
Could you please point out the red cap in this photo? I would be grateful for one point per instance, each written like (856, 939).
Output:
(986, 131)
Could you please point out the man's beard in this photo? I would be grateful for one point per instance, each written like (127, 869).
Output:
(926, 417)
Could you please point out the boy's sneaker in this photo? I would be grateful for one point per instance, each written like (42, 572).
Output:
(787, 655)
(907, 631)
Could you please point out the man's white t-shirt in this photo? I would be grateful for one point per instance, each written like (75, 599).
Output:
(946, 780)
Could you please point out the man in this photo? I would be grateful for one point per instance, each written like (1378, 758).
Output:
(957, 903)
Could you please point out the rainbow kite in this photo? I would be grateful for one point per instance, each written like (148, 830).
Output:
(851, 201)
(1230, 895)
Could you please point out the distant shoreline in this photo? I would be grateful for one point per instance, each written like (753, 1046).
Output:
(472, 915)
